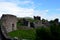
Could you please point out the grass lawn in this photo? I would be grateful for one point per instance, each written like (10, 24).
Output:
(23, 34)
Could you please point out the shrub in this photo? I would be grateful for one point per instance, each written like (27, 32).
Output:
(42, 34)
(52, 33)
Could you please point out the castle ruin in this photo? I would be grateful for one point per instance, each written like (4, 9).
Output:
(9, 22)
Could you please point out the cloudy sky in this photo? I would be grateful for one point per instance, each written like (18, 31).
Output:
(48, 9)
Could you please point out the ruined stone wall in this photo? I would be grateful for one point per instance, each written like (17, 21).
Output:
(9, 22)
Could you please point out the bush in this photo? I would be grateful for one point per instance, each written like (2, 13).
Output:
(52, 33)
(42, 34)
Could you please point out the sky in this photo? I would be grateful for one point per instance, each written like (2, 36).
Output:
(47, 9)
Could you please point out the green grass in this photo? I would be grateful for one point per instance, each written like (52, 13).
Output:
(23, 34)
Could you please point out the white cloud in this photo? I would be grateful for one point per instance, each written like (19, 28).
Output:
(41, 13)
(11, 8)
(21, 3)
(58, 9)
(25, 2)
(53, 16)
(45, 14)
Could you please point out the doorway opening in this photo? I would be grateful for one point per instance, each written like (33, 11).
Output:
(12, 26)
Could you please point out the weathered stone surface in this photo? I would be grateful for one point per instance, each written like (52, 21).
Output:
(4, 36)
(37, 18)
(9, 22)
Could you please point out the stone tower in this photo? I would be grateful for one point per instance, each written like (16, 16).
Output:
(9, 22)
(37, 18)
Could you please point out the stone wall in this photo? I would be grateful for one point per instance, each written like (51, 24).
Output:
(9, 22)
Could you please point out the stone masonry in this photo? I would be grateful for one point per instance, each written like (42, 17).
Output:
(9, 22)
